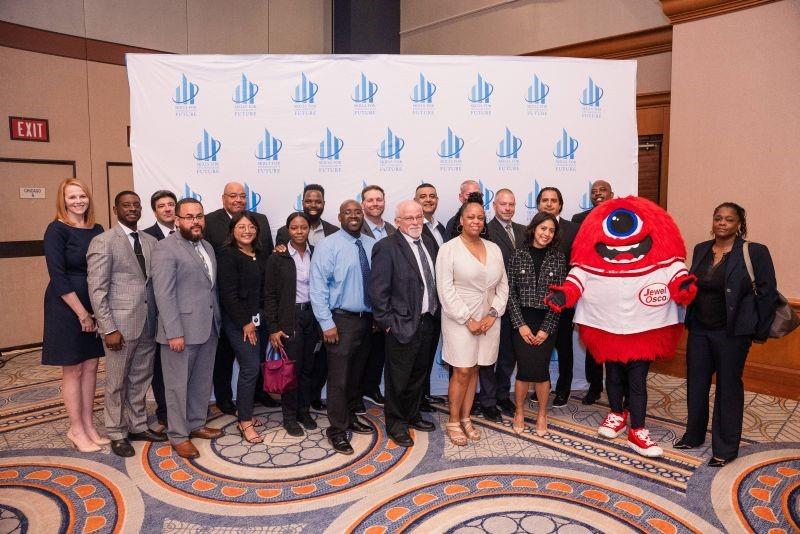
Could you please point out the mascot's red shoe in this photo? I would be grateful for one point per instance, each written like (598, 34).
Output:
(613, 425)
(639, 440)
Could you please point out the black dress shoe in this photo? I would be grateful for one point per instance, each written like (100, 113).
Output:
(560, 400)
(122, 447)
(376, 398)
(147, 435)
(319, 405)
(293, 429)
(713, 462)
(422, 425)
(590, 398)
(360, 409)
(359, 428)
(227, 408)
(492, 414)
(426, 407)
(305, 419)
(341, 445)
(507, 407)
(434, 399)
(266, 401)
(404, 440)
(683, 444)
(476, 410)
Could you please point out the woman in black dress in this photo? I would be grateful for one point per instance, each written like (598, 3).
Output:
(70, 333)
(241, 265)
(290, 320)
(728, 314)
(532, 270)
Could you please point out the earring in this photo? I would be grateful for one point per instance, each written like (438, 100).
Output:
(459, 228)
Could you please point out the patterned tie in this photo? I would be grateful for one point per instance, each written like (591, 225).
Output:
(429, 280)
(137, 249)
(202, 258)
(510, 232)
(365, 270)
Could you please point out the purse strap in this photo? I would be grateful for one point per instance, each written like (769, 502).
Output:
(749, 265)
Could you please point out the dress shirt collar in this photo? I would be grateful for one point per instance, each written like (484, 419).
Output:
(411, 239)
(294, 252)
(127, 230)
(165, 229)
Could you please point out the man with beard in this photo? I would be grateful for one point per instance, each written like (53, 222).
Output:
(340, 273)
(313, 206)
(184, 274)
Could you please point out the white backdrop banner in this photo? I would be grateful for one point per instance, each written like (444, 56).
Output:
(276, 123)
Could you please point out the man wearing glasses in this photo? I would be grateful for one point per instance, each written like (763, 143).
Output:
(184, 271)
(234, 200)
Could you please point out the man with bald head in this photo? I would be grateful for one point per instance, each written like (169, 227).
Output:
(339, 284)
(234, 201)
(406, 307)
(467, 187)
(600, 192)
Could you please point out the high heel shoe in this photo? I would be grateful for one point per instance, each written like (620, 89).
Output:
(518, 429)
(243, 431)
(71, 438)
(101, 441)
(541, 432)
(472, 433)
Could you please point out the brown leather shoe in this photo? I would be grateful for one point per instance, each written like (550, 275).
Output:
(206, 432)
(186, 449)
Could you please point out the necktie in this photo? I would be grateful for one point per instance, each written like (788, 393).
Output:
(171, 232)
(365, 270)
(202, 258)
(510, 232)
(429, 281)
(137, 250)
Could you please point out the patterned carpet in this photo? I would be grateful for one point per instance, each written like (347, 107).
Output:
(567, 481)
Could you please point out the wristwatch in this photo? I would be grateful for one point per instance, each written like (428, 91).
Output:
(493, 313)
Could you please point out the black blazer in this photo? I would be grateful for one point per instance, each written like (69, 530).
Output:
(497, 234)
(282, 236)
(567, 230)
(155, 231)
(747, 314)
(241, 284)
(281, 292)
(396, 285)
(442, 230)
(216, 231)
(366, 230)
(579, 217)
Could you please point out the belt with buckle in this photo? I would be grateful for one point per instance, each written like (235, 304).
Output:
(346, 313)
(302, 306)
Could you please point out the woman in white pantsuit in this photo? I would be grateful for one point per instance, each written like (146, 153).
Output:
(473, 290)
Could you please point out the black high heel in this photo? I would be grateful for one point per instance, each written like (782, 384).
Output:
(683, 444)
(720, 462)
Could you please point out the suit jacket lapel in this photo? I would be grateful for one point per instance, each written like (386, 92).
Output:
(189, 248)
(500, 230)
(405, 249)
(125, 242)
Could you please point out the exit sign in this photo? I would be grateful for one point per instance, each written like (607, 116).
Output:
(28, 129)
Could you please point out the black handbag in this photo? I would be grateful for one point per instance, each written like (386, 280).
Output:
(785, 319)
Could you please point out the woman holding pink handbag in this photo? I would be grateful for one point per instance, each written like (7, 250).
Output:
(290, 321)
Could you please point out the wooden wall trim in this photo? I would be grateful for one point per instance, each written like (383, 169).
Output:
(679, 11)
(63, 45)
(625, 46)
(653, 100)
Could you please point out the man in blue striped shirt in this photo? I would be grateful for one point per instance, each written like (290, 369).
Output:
(340, 272)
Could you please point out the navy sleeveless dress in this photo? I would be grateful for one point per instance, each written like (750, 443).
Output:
(65, 249)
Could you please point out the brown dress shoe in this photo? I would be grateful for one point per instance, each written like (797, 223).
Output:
(205, 432)
(186, 449)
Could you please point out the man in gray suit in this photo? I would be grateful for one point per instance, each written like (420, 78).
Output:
(184, 274)
(121, 291)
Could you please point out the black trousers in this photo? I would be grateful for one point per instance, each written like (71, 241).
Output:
(373, 369)
(158, 388)
(710, 352)
(631, 376)
(223, 371)
(406, 372)
(319, 373)
(347, 359)
(565, 353)
(495, 380)
(299, 348)
(594, 373)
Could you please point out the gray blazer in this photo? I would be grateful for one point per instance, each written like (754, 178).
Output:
(122, 298)
(185, 295)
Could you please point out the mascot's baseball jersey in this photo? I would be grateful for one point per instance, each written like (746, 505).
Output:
(628, 303)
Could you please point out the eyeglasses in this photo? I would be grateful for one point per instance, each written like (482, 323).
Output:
(190, 218)
(234, 196)
(242, 228)
(412, 218)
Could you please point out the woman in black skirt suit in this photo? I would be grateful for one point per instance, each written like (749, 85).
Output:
(70, 333)
(290, 320)
(532, 270)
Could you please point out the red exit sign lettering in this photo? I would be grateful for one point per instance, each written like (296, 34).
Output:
(27, 129)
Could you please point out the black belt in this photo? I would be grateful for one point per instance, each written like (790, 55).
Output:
(302, 306)
(346, 313)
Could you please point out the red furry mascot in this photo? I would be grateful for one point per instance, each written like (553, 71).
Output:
(627, 281)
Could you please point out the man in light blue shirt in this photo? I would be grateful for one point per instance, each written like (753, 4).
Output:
(340, 273)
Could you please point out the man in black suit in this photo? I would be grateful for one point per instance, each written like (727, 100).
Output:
(496, 380)
(550, 200)
(600, 192)
(467, 187)
(162, 203)
(234, 200)
(405, 306)
(313, 207)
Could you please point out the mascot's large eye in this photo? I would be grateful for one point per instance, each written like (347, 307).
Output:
(621, 224)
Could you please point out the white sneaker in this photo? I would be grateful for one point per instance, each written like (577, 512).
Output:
(639, 440)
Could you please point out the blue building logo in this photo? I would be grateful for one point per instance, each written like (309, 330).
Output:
(358, 196)
(451, 146)
(481, 92)
(330, 147)
(391, 146)
(298, 202)
(268, 147)
(532, 196)
(208, 148)
(586, 199)
(566, 146)
(305, 91)
(423, 92)
(592, 94)
(537, 91)
(364, 91)
(245, 92)
(488, 195)
(253, 199)
(188, 193)
(186, 92)
(509, 146)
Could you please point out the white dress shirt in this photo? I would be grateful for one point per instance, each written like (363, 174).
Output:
(128, 232)
(164, 229)
(315, 235)
(302, 263)
(415, 250)
(433, 226)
